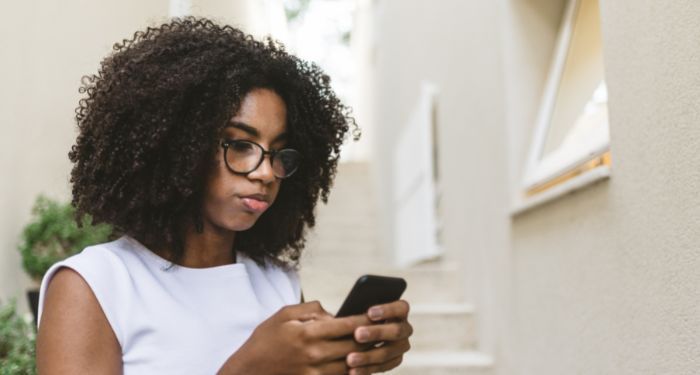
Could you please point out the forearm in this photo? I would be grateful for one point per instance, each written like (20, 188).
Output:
(247, 360)
(235, 365)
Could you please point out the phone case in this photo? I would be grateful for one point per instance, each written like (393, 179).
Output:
(370, 290)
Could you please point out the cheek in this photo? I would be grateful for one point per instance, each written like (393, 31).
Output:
(215, 207)
(218, 186)
(219, 193)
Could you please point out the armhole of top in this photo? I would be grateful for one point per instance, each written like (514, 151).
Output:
(91, 282)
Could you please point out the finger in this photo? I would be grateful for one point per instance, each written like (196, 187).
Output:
(303, 311)
(378, 356)
(394, 310)
(330, 350)
(314, 316)
(373, 369)
(333, 367)
(384, 332)
(336, 327)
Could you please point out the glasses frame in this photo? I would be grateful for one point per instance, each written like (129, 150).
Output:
(226, 143)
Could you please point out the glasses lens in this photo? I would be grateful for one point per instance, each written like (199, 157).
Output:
(243, 156)
(285, 162)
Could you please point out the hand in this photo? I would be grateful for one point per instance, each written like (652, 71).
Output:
(391, 337)
(298, 339)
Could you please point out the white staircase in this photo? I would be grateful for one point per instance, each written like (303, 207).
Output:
(344, 246)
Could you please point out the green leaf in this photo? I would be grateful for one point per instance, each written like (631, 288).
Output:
(17, 342)
(53, 234)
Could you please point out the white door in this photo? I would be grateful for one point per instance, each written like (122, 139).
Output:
(416, 225)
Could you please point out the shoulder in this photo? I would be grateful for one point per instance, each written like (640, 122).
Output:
(109, 255)
(101, 269)
(75, 335)
(101, 260)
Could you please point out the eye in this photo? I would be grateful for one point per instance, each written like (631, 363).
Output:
(241, 146)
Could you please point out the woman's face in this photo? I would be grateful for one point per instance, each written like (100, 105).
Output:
(233, 202)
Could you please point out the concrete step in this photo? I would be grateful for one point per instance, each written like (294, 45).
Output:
(345, 245)
(345, 252)
(348, 237)
(439, 282)
(445, 363)
(328, 251)
(328, 274)
(328, 222)
(448, 327)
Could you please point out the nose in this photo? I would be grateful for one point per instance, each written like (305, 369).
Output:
(263, 172)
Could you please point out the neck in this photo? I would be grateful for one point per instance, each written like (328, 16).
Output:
(211, 248)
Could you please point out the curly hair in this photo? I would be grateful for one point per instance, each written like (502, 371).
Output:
(151, 118)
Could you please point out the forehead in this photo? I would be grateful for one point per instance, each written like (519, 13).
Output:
(262, 114)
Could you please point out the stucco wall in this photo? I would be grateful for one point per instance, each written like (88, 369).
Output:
(605, 281)
(602, 281)
(46, 47)
(454, 46)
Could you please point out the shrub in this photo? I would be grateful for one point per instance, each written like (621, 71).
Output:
(53, 235)
(17, 342)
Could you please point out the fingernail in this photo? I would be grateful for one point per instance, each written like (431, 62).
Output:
(354, 359)
(375, 313)
(362, 334)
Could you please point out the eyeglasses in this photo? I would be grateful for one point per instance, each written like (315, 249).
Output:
(243, 157)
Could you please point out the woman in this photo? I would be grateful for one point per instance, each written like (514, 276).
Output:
(207, 151)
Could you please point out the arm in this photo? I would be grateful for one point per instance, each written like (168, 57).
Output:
(74, 336)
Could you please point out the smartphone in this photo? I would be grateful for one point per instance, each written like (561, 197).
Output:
(370, 290)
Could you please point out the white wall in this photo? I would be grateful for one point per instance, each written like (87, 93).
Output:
(457, 46)
(602, 281)
(418, 41)
(47, 46)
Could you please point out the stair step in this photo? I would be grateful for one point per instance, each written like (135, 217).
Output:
(445, 327)
(445, 363)
(328, 273)
(345, 244)
(349, 239)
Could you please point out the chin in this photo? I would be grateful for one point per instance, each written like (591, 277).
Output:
(238, 222)
(242, 225)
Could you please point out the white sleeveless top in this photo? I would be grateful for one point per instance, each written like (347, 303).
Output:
(179, 320)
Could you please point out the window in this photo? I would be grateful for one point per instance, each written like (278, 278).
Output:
(571, 144)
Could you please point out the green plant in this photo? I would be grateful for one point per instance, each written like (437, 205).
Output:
(17, 342)
(53, 235)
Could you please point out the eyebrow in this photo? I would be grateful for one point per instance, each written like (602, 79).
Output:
(253, 131)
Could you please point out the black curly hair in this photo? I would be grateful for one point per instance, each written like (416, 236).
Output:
(151, 119)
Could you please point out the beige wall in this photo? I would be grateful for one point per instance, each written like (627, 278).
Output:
(605, 281)
(47, 46)
(415, 41)
(602, 281)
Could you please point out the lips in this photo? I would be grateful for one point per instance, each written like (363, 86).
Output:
(255, 203)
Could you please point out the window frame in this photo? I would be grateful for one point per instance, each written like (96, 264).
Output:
(540, 186)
